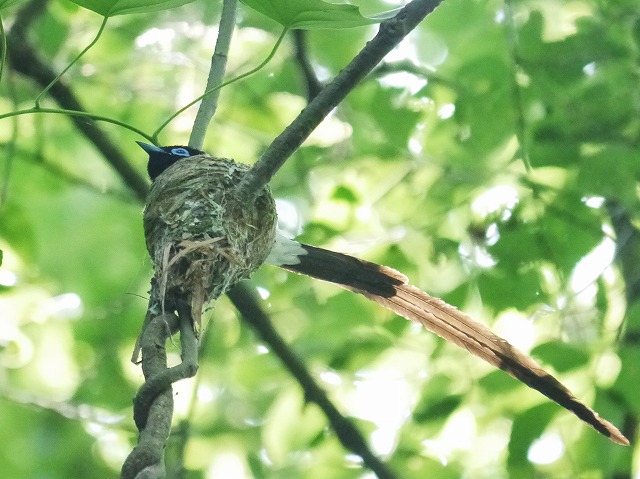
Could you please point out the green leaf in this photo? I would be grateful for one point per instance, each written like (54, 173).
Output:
(611, 172)
(345, 194)
(311, 14)
(527, 427)
(110, 8)
(562, 356)
(55, 29)
(435, 409)
(498, 382)
(9, 3)
(361, 348)
(505, 287)
(567, 232)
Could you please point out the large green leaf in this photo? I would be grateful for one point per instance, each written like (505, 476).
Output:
(562, 356)
(8, 3)
(110, 8)
(310, 14)
(527, 427)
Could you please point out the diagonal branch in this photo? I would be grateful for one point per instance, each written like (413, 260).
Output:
(391, 33)
(24, 59)
(246, 303)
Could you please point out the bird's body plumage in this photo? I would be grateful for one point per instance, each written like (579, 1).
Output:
(381, 284)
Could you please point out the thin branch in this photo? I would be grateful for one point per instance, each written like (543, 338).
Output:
(628, 257)
(62, 174)
(313, 84)
(521, 126)
(162, 380)
(216, 73)
(247, 304)
(627, 247)
(153, 405)
(10, 151)
(3, 41)
(76, 114)
(408, 66)
(146, 458)
(272, 53)
(391, 33)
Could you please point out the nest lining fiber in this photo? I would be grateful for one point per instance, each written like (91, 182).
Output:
(202, 237)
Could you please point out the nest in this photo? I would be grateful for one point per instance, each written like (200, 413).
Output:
(202, 237)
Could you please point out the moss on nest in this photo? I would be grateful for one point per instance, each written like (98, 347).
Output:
(202, 238)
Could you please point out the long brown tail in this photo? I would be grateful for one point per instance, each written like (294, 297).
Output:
(390, 289)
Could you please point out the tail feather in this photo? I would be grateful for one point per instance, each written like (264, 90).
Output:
(390, 289)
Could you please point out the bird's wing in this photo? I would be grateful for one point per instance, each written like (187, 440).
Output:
(390, 289)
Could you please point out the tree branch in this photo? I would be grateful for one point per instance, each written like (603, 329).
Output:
(628, 257)
(153, 405)
(216, 73)
(312, 83)
(391, 33)
(146, 458)
(24, 59)
(246, 303)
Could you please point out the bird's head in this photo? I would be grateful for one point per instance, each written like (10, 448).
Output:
(162, 157)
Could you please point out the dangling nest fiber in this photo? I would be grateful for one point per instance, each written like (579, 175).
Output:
(202, 237)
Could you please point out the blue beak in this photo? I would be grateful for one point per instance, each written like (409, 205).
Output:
(150, 148)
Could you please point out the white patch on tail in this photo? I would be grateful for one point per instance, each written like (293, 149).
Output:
(285, 251)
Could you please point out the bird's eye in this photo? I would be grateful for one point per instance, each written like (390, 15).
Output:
(180, 152)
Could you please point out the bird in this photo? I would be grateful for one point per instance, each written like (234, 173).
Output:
(381, 284)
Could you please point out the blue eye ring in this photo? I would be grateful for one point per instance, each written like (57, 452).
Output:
(180, 152)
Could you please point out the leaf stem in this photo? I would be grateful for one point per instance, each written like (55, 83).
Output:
(222, 85)
(76, 113)
(85, 50)
(3, 37)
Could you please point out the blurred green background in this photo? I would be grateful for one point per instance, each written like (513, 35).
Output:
(493, 159)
